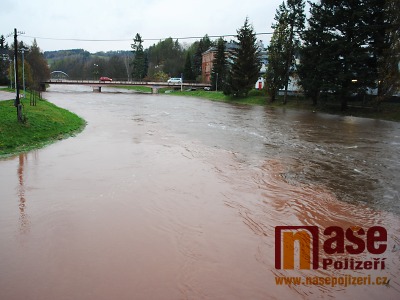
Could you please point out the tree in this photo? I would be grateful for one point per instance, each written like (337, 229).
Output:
(166, 56)
(3, 60)
(353, 61)
(29, 82)
(276, 69)
(38, 65)
(385, 44)
(115, 68)
(160, 76)
(2, 42)
(188, 70)
(128, 66)
(289, 19)
(352, 46)
(317, 56)
(175, 63)
(139, 62)
(219, 69)
(295, 20)
(246, 63)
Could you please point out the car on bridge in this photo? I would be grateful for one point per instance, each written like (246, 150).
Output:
(174, 80)
(105, 79)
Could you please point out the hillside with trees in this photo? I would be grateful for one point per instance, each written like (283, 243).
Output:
(167, 58)
(80, 64)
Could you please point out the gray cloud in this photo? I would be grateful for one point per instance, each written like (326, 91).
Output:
(121, 20)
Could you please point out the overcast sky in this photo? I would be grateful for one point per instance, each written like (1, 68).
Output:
(122, 19)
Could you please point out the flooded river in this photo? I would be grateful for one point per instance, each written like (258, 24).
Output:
(165, 197)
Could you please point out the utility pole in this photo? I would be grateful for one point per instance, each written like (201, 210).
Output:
(17, 102)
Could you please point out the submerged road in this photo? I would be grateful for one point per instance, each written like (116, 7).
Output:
(6, 95)
(164, 197)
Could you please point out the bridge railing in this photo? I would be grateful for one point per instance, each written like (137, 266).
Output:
(120, 82)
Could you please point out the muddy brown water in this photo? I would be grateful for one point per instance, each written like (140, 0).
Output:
(164, 197)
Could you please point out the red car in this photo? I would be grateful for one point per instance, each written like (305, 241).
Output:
(105, 79)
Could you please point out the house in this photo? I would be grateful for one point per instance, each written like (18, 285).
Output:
(207, 59)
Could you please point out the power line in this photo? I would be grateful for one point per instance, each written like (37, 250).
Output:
(145, 39)
(76, 40)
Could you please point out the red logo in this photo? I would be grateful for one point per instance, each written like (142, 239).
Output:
(285, 237)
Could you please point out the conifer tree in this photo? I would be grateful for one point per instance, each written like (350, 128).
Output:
(139, 70)
(219, 70)
(349, 49)
(295, 20)
(317, 56)
(385, 42)
(246, 63)
(188, 69)
(3, 60)
(276, 69)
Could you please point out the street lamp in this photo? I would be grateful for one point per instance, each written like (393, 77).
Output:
(23, 69)
(181, 82)
(10, 72)
(15, 77)
(96, 71)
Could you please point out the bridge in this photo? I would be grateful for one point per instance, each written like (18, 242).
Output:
(59, 74)
(97, 85)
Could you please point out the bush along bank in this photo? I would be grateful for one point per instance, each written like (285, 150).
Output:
(42, 124)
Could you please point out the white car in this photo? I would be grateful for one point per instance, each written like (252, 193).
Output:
(175, 80)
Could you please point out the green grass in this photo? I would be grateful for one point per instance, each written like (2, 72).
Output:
(255, 97)
(45, 123)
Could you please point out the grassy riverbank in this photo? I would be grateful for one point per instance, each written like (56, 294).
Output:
(45, 123)
(387, 110)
